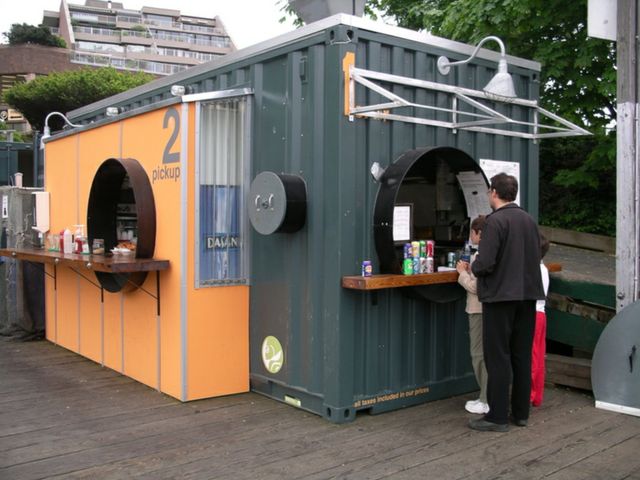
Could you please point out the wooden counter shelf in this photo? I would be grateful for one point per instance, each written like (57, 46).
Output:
(98, 263)
(116, 264)
(379, 282)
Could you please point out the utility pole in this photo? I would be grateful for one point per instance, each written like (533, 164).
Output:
(627, 184)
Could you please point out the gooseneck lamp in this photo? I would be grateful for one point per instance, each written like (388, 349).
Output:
(47, 130)
(501, 85)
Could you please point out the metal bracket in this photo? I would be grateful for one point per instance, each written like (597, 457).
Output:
(477, 117)
(156, 297)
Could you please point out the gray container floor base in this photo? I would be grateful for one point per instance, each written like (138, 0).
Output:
(383, 402)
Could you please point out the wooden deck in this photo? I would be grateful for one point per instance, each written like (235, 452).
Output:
(583, 265)
(63, 416)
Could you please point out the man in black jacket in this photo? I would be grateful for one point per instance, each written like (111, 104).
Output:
(509, 283)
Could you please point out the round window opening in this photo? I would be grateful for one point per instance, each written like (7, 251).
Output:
(122, 212)
(425, 183)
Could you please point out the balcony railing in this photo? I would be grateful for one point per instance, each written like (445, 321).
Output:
(135, 33)
(147, 21)
(106, 32)
(99, 47)
(91, 18)
(201, 29)
(220, 42)
(129, 19)
(190, 38)
(172, 52)
(179, 25)
(103, 60)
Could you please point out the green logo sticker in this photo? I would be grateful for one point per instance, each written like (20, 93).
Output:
(272, 354)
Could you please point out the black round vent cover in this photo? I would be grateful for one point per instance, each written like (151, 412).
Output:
(277, 203)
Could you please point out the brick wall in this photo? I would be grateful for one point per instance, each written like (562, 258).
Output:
(38, 59)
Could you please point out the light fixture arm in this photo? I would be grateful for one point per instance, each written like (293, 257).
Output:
(46, 133)
(501, 85)
(444, 65)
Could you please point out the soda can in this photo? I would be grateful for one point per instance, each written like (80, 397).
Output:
(367, 268)
(430, 265)
(423, 264)
(423, 248)
(407, 250)
(416, 265)
(431, 248)
(415, 249)
(451, 259)
(407, 266)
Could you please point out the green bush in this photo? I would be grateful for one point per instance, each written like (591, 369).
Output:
(65, 91)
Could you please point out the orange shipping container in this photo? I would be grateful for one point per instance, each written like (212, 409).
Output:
(174, 333)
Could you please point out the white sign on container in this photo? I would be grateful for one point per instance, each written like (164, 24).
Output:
(402, 223)
(474, 189)
(494, 167)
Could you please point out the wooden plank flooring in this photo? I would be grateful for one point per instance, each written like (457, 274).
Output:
(65, 417)
(583, 265)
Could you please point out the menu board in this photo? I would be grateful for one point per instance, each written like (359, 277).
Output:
(474, 187)
(493, 167)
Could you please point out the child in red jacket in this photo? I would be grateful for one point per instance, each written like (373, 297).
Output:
(539, 337)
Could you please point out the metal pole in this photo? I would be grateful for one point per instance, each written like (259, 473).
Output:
(36, 157)
(627, 216)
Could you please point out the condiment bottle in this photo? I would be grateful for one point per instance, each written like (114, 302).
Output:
(67, 240)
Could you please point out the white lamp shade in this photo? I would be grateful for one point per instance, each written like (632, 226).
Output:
(501, 84)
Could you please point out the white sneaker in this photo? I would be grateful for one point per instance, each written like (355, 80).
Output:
(476, 406)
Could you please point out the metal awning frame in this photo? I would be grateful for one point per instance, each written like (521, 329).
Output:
(475, 121)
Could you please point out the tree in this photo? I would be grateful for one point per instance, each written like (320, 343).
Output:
(67, 91)
(577, 82)
(578, 78)
(17, 136)
(581, 195)
(24, 33)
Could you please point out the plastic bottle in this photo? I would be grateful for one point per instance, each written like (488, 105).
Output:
(466, 254)
(67, 241)
(78, 239)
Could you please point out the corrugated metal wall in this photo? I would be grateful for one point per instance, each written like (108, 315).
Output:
(342, 347)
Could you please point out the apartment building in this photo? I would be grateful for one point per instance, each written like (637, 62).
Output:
(155, 40)
(102, 33)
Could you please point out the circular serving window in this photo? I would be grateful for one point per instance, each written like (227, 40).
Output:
(122, 210)
(423, 178)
